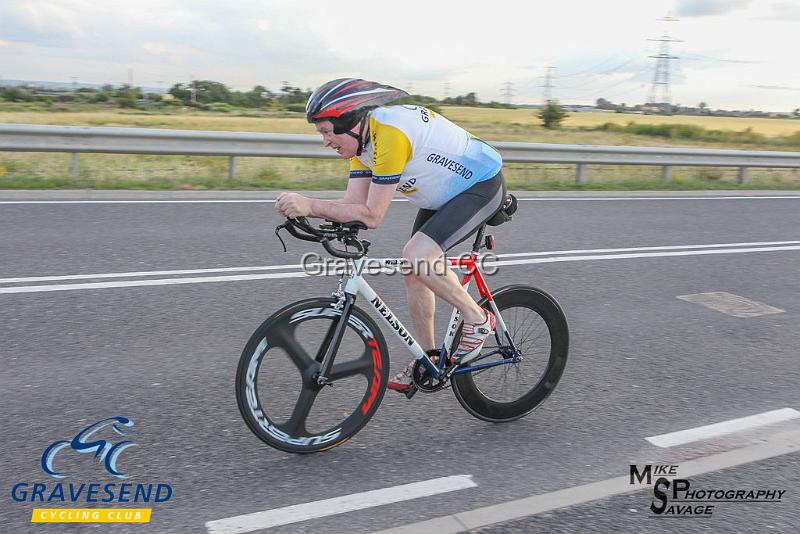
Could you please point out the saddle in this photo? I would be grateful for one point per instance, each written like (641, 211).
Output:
(505, 212)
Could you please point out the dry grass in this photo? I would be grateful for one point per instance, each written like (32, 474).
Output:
(293, 123)
(185, 172)
(527, 117)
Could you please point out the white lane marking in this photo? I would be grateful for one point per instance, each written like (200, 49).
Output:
(777, 445)
(726, 427)
(146, 273)
(558, 259)
(137, 283)
(636, 249)
(339, 505)
(133, 274)
(730, 304)
(268, 201)
(235, 278)
(230, 201)
(736, 197)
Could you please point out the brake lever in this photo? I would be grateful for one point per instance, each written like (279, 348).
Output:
(278, 235)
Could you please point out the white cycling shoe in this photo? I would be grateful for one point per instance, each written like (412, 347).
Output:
(473, 336)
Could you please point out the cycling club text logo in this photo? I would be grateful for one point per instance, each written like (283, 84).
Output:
(85, 442)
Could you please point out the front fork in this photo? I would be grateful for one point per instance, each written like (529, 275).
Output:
(333, 339)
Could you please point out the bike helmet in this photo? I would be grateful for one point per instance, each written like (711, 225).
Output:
(346, 101)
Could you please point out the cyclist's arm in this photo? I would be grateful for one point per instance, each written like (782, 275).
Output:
(392, 151)
(358, 184)
(371, 212)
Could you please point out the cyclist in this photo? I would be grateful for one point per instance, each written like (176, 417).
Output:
(454, 179)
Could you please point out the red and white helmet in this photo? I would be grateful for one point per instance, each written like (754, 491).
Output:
(346, 100)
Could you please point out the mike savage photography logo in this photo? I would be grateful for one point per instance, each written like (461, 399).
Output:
(74, 501)
(675, 497)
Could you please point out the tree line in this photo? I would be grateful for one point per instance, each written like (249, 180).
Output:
(207, 95)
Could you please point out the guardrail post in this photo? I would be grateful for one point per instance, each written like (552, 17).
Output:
(73, 165)
(666, 174)
(231, 167)
(581, 176)
(742, 175)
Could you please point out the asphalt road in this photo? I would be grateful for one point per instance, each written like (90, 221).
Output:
(642, 362)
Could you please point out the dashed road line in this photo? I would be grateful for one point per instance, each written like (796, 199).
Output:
(338, 505)
(690, 435)
(777, 445)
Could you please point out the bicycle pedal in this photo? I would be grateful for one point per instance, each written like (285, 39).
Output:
(411, 392)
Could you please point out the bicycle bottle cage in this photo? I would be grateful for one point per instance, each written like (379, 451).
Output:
(504, 214)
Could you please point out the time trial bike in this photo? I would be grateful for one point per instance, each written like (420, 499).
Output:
(314, 373)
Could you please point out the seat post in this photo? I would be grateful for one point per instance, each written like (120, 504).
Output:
(476, 246)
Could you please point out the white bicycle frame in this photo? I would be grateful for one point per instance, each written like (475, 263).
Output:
(356, 285)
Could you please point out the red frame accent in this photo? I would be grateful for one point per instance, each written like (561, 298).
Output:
(472, 270)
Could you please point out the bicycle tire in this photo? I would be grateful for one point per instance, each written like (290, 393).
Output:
(276, 337)
(483, 405)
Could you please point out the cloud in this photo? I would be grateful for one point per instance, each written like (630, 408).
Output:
(703, 8)
(776, 87)
(785, 11)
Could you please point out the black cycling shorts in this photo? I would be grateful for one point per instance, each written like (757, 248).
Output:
(462, 215)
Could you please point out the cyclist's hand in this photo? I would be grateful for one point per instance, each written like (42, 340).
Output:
(293, 205)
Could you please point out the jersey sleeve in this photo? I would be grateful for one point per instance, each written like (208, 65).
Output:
(358, 169)
(392, 150)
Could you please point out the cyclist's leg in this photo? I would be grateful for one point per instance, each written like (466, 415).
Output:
(434, 232)
(421, 300)
(451, 224)
(421, 306)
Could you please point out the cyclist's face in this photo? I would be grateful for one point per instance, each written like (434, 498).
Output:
(345, 145)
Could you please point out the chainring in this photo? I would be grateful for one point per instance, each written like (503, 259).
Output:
(425, 382)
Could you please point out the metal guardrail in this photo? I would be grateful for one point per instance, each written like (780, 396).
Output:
(85, 139)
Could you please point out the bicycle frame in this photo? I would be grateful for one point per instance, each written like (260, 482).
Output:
(356, 285)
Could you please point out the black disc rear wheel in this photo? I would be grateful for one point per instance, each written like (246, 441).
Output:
(510, 391)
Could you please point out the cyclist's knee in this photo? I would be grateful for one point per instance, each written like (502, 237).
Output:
(421, 247)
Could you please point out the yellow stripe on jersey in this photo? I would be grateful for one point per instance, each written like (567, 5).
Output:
(392, 150)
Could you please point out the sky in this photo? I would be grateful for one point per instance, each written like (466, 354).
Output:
(732, 54)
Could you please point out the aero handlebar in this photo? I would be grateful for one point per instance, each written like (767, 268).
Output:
(346, 233)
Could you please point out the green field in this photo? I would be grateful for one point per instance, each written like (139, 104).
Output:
(111, 171)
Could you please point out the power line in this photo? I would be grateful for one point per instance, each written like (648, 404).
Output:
(601, 90)
(547, 86)
(661, 74)
(508, 92)
(589, 70)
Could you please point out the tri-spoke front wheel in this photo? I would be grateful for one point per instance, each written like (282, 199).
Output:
(276, 382)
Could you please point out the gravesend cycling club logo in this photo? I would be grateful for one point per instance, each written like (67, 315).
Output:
(105, 441)
(679, 497)
(103, 450)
